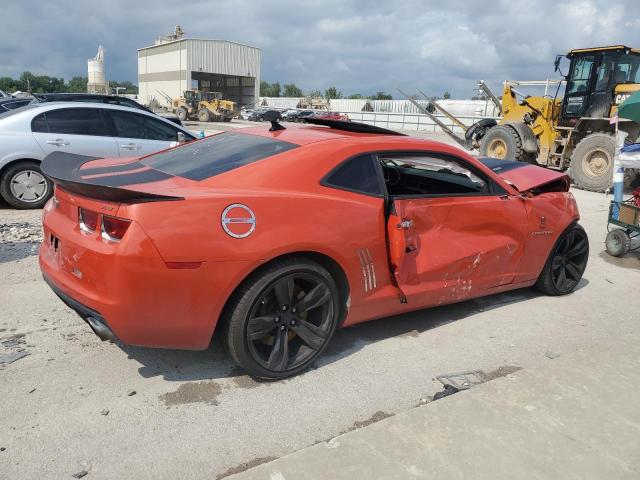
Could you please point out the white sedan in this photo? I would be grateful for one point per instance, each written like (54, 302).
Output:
(29, 134)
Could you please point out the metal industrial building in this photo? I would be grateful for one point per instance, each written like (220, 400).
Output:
(176, 64)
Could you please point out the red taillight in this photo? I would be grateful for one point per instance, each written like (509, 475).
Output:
(88, 220)
(114, 228)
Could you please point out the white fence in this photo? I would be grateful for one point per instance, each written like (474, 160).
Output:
(411, 122)
(400, 114)
(455, 107)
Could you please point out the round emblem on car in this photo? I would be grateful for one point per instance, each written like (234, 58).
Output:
(238, 220)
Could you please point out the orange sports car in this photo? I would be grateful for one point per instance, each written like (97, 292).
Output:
(273, 238)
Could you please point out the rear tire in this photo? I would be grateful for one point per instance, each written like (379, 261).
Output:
(502, 142)
(24, 186)
(592, 162)
(618, 243)
(182, 113)
(566, 263)
(282, 318)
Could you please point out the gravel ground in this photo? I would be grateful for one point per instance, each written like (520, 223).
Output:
(71, 404)
(20, 236)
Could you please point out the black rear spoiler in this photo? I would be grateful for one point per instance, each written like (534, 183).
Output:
(64, 170)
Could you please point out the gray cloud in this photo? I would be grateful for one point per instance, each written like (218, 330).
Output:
(358, 46)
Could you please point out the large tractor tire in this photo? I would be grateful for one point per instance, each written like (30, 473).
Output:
(182, 113)
(592, 162)
(502, 142)
(204, 115)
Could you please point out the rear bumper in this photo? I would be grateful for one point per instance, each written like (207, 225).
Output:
(95, 320)
(125, 290)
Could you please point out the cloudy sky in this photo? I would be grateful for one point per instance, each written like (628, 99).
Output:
(359, 46)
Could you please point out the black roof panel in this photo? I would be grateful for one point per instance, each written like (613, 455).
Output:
(349, 126)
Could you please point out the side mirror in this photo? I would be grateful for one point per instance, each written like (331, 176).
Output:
(557, 65)
(181, 138)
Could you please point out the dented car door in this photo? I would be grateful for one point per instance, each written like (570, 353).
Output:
(447, 249)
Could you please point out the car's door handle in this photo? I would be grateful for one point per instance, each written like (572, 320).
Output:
(130, 146)
(405, 224)
(58, 142)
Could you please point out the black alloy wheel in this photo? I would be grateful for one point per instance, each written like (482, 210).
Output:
(566, 264)
(284, 319)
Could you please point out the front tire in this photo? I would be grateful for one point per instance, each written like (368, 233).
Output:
(204, 115)
(592, 162)
(502, 142)
(282, 318)
(24, 186)
(566, 263)
(182, 113)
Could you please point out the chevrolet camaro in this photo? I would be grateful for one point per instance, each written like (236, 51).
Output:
(272, 238)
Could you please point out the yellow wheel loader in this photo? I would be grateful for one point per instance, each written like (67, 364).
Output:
(204, 106)
(575, 131)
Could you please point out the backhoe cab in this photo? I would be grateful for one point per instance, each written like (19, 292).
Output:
(574, 130)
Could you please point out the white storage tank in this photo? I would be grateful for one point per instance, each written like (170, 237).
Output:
(97, 81)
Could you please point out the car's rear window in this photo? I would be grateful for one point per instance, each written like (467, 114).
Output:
(9, 113)
(215, 155)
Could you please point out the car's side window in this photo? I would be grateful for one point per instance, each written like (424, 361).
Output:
(424, 174)
(133, 125)
(358, 174)
(76, 121)
(39, 124)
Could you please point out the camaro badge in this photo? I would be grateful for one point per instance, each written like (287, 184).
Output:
(238, 220)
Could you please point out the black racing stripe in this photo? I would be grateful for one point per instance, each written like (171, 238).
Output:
(121, 180)
(500, 166)
(63, 168)
(111, 169)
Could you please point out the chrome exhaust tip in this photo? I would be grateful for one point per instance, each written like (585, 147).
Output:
(103, 332)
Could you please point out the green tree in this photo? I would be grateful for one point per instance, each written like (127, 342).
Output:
(331, 93)
(291, 90)
(270, 89)
(265, 88)
(40, 83)
(355, 96)
(129, 88)
(7, 84)
(314, 94)
(381, 96)
(446, 95)
(77, 85)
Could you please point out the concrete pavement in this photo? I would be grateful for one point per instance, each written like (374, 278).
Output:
(575, 417)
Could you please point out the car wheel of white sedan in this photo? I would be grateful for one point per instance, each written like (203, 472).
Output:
(24, 186)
